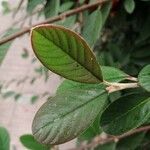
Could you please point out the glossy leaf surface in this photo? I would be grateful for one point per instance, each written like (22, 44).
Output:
(144, 78)
(126, 113)
(4, 139)
(68, 114)
(65, 53)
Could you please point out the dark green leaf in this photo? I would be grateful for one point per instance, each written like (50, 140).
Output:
(107, 146)
(65, 53)
(112, 74)
(68, 114)
(4, 139)
(29, 142)
(131, 142)
(92, 27)
(144, 78)
(126, 113)
(129, 5)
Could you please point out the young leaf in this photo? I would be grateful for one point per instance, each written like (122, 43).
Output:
(129, 5)
(92, 27)
(126, 113)
(67, 115)
(144, 78)
(112, 74)
(65, 53)
(4, 139)
(29, 142)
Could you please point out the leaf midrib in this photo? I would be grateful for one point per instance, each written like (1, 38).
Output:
(145, 101)
(70, 55)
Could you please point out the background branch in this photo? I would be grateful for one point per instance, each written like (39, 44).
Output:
(53, 19)
(99, 140)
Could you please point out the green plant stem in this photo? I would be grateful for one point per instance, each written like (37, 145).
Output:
(98, 140)
(113, 87)
(53, 19)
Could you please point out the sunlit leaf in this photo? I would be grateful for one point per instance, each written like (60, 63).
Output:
(65, 53)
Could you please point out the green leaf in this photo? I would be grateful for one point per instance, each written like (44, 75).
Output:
(107, 146)
(112, 74)
(130, 142)
(51, 8)
(8, 94)
(105, 10)
(65, 53)
(34, 98)
(92, 27)
(68, 22)
(4, 47)
(68, 114)
(129, 5)
(25, 53)
(126, 113)
(66, 6)
(92, 131)
(6, 7)
(32, 4)
(144, 78)
(4, 139)
(17, 96)
(29, 142)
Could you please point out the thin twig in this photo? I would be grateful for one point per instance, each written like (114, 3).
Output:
(54, 19)
(113, 87)
(98, 140)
